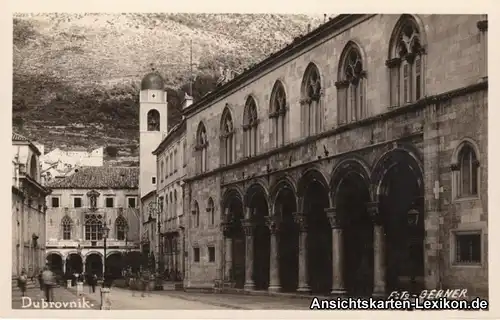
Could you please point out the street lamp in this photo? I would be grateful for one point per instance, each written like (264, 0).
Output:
(105, 233)
(154, 209)
(412, 217)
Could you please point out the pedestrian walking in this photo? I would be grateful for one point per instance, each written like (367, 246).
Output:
(93, 282)
(21, 282)
(48, 284)
(40, 280)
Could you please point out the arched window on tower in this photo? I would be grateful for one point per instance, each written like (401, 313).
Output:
(406, 62)
(351, 86)
(201, 148)
(153, 120)
(121, 227)
(66, 225)
(278, 115)
(211, 212)
(227, 137)
(250, 128)
(311, 101)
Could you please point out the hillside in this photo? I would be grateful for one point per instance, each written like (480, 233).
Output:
(76, 76)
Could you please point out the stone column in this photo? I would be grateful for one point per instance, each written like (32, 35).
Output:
(300, 219)
(379, 283)
(228, 251)
(248, 227)
(338, 286)
(274, 271)
(64, 266)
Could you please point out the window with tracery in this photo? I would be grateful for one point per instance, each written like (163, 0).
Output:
(93, 226)
(406, 63)
(227, 138)
(153, 120)
(468, 172)
(311, 101)
(351, 86)
(278, 115)
(121, 227)
(250, 128)
(67, 225)
(211, 211)
(196, 215)
(201, 148)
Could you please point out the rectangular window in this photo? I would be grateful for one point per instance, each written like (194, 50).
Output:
(131, 202)
(211, 254)
(77, 202)
(54, 202)
(67, 231)
(406, 83)
(110, 202)
(468, 248)
(196, 254)
(153, 180)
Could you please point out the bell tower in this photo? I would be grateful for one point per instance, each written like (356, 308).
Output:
(152, 128)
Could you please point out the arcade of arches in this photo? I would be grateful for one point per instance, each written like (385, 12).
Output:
(347, 234)
(92, 262)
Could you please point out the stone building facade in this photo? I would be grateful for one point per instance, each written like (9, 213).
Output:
(171, 163)
(28, 208)
(80, 207)
(353, 160)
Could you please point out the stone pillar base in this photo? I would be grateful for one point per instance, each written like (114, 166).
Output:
(304, 289)
(105, 301)
(274, 288)
(379, 293)
(249, 286)
(338, 292)
(68, 283)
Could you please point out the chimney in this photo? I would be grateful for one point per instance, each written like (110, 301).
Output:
(188, 100)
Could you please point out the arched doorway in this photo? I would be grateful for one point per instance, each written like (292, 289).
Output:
(285, 205)
(74, 264)
(398, 176)
(114, 264)
(93, 264)
(234, 205)
(315, 192)
(351, 195)
(55, 262)
(256, 200)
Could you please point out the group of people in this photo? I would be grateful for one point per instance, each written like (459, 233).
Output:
(140, 281)
(46, 279)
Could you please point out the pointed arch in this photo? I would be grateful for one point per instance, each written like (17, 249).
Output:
(93, 226)
(227, 137)
(121, 228)
(66, 227)
(153, 118)
(465, 168)
(406, 63)
(195, 213)
(211, 211)
(278, 107)
(201, 148)
(345, 168)
(351, 85)
(311, 101)
(250, 127)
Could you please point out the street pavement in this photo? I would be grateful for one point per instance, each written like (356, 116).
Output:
(64, 298)
(123, 299)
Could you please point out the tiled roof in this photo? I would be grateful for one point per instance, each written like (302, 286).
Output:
(18, 137)
(99, 178)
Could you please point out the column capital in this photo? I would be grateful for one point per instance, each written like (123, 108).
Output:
(372, 208)
(248, 226)
(273, 223)
(333, 218)
(300, 219)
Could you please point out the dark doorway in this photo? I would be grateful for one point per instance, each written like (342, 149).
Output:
(114, 264)
(238, 238)
(319, 238)
(55, 263)
(262, 240)
(288, 241)
(93, 264)
(74, 264)
(351, 200)
(401, 190)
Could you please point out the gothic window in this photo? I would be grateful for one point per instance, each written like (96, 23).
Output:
(66, 224)
(161, 170)
(93, 227)
(153, 120)
(196, 215)
(405, 63)
(468, 171)
(250, 128)
(227, 137)
(201, 148)
(121, 227)
(351, 86)
(278, 114)
(211, 211)
(311, 101)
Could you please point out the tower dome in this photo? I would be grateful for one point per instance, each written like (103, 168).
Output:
(152, 81)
